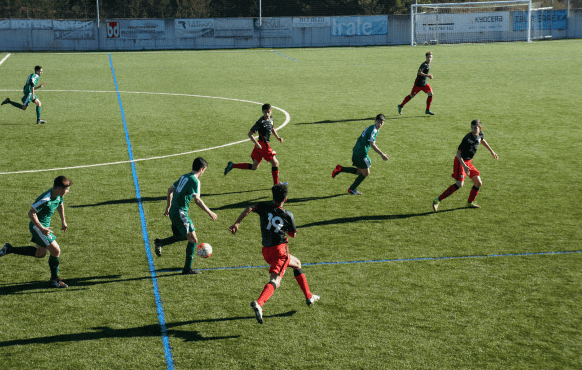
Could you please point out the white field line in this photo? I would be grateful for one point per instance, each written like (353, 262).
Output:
(6, 57)
(287, 119)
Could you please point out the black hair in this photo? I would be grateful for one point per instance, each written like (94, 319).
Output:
(266, 107)
(380, 117)
(428, 53)
(62, 182)
(279, 192)
(476, 122)
(198, 164)
(37, 68)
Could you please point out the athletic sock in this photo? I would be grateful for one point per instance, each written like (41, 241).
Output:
(406, 100)
(428, 102)
(473, 194)
(54, 266)
(267, 292)
(172, 239)
(24, 251)
(358, 181)
(352, 170)
(37, 112)
(448, 192)
(275, 174)
(190, 248)
(17, 105)
(302, 281)
(242, 166)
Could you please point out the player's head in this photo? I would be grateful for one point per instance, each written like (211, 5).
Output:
(199, 164)
(476, 126)
(266, 108)
(61, 184)
(279, 193)
(380, 119)
(428, 56)
(38, 70)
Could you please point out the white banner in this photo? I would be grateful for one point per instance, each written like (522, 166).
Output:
(192, 28)
(274, 27)
(233, 27)
(311, 22)
(142, 29)
(5, 24)
(74, 30)
(472, 22)
(31, 24)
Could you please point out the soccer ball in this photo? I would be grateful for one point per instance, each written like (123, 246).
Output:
(204, 250)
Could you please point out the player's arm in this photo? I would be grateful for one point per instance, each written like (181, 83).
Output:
(461, 161)
(34, 218)
(276, 135)
(201, 204)
(421, 73)
(61, 210)
(292, 230)
(489, 148)
(169, 200)
(377, 150)
(234, 227)
(252, 137)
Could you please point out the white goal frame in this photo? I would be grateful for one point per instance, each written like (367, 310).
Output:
(476, 5)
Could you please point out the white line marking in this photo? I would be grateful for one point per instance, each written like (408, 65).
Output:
(287, 119)
(6, 57)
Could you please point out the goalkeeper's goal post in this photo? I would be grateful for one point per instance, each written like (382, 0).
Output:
(471, 22)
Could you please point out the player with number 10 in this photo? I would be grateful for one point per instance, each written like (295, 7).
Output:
(275, 223)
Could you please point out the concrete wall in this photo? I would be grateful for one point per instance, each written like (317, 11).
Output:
(40, 35)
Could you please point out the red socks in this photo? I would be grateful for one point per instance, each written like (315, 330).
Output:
(428, 102)
(242, 166)
(449, 191)
(275, 173)
(406, 100)
(302, 281)
(267, 292)
(473, 194)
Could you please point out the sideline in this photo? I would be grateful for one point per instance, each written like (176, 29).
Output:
(3, 60)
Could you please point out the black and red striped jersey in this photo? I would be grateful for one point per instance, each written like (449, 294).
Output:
(275, 223)
(263, 127)
(469, 145)
(421, 80)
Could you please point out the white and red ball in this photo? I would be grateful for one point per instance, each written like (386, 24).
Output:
(204, 250)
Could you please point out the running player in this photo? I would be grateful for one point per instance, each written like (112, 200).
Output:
(275, 222)
(463, 165)
(40, 215)
(178, 201)
(421, 85)
(264, 126)
(360, 158)
(29, 90)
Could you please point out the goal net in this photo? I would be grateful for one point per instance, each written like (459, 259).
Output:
(472, 22)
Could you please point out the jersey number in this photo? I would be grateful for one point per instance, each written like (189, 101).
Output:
(183, 181)
(276, 222)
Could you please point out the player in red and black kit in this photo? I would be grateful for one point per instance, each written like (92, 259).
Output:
(275, 223)
(421, 85)
(264, 126)
(463, 165)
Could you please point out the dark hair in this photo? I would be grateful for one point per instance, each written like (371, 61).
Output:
(380, 117)
(37, 68)
(198, 164)
(62, 182)
(428, 53)
(476, 122)
(279, 192)
(266, 107)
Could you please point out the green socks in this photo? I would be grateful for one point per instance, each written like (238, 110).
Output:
(54, 266)
(37, 112)
(190, 248)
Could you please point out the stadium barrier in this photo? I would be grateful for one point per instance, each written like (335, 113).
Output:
(220, 33)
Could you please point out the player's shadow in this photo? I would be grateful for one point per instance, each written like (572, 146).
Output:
(349, 220)
(336, 121)
(154, 330)
(74, 284)
(153, 199)
(246, 203)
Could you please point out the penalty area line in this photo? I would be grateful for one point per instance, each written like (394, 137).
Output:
(4, 59)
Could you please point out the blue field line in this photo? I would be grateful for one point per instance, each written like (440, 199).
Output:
(159, 308)
(283, 55)
(400, 260)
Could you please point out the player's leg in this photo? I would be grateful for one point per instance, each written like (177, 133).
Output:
(407, 98)
(6, 101)
(363, 171)
(38, 105)
(459, 175)
(7, 248)
(190, 250)
(428, 91)
(160, 243)
(474, 190)
(53, 262)
(340, 168)
(23, 251)
(278, 259)
(275, 171)
(295, 264)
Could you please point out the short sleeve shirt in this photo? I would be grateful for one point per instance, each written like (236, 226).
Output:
(184, 190)
(365, 140)
(30, 83)
(275, 222)
(421, 80)
(45, 205)
(470, 144)
(263, 127)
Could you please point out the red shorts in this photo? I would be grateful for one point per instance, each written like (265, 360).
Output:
(426, 88)
(265, 152)
(278, 257)
(459, 171)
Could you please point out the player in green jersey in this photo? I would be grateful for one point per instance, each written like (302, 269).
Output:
(178, 201)
(360, 158)
(40, 215)
(29, 90)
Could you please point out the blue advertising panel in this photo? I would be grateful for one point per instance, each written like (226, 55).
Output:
(541, 20)
(359, 26)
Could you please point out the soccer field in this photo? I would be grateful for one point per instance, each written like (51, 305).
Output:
(401, 287)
